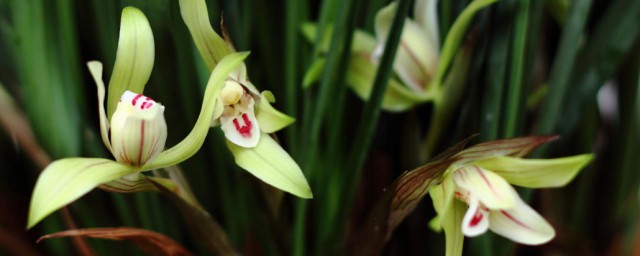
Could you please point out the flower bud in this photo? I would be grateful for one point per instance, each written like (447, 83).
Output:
(138, 129)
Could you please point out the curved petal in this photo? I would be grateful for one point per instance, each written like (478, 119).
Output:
(135, 182)
(536, 173)
(65, 180)
(521, 224)
(489, 188)
(426, 15)
(363, 42)
(442, 195)
(241, 126)
(210, 45)
(415, 63)
(270, 163)
(476, 220)
(95, 68)
(192, 143)
(271, 120)
(134, 59)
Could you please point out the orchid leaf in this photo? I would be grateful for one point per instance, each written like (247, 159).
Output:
(536, 173)
(192, 143)
(151, 242)
(455, 35)
(65, 180)
(270, 119)
(134, 59)
(314, 72)
(210, 45)
(270, 163)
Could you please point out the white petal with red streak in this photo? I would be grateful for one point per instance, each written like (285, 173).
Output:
(476, 220)
(489, 188)
(242, 128)
(521, 224)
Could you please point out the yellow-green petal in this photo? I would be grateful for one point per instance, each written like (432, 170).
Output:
(493, 191)
(134, 59)
(210, 45)
(536, 173)
(270, 119)
(450, 215)
(426, 15)
(65, 180)
(270, 163)
(192, 143)
(95, 68)
(362, 41)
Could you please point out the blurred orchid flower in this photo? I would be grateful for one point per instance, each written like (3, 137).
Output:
(137, 131)
(420, 63)
(245, 115)
(480, 177)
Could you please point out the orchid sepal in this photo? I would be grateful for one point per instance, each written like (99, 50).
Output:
(271, 120)
(134, 58)
(66, 180)
(271, 164)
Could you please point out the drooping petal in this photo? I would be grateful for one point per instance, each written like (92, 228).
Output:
(95, 68)
(489, 188)
(192, 143)
(270, 163)
(450, 214)
(536, 173)
(426, 15)
(240, 126)
(271, 120)
(210, 45)
(476, 220)
(521, 224)
(138, 129)
(134, 59)
(65, 180)
(415, 63)
(135, 182)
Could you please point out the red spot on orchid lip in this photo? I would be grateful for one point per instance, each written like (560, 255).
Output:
(244, 130)
(135, 99)
(476, 218)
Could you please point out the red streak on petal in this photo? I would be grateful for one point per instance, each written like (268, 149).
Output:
(244, 130)
(144, 104)
(476, 218)
(487, 181)
(135, 99)
(515, 220)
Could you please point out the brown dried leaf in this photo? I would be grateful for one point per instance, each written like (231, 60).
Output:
(149, 241)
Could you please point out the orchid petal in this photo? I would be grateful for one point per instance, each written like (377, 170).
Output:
(66, 180)
(192, 143)
(134, 59)
(210, 45)
(426, 15)
(271, 120)
(270, 163)
(521, 224)
(95, 68)
(414, 63)
(450, 214)
(492, 190)
(363, 42)
(476, 220)
(507, 147)
(242, 128)
(536, 173)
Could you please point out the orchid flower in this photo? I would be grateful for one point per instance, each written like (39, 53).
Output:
(244, 114)
(136, 132)
(420, 63)
(475, 194)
